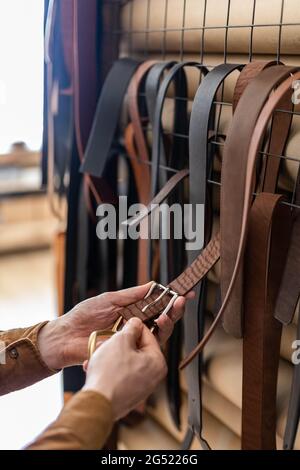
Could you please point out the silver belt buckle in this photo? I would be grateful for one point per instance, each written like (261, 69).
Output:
(165, 291)
(92, 344)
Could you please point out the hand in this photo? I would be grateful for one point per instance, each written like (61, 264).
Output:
(63, 342)
(127, 368)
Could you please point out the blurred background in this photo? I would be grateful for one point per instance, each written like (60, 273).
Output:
(27, 264)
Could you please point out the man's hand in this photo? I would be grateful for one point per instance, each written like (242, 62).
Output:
(63, 342)
(127, 368)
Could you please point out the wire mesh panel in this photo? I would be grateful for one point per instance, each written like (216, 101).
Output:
(211, 32)
(214, 32)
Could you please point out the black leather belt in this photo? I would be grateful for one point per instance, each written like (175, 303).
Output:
(107, 117)
(170, 266)
(201, 161)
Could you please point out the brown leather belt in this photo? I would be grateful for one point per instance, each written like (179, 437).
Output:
(259, 416)
(262, 333)
(137, 149)
(268, 238)
(284, 311)
(235, 173)
(242, 146)
(294, 407)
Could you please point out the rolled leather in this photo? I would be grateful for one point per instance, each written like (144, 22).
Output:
(146, 435)
(164, 26)
(219, 436)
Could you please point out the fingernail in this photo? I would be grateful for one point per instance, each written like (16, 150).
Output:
(133, 320)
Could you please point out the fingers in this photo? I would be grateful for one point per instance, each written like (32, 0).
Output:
(151, 351)
(165, 325)
(174, 315)
(166, 322)
(133, 294)
(132, 331)
(148, 340)
(178, 309)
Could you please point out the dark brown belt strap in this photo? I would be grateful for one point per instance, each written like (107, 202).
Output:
(249, 72)
(261, 329)
(137, 149)
(235, 172)
(280, 127)
(141, 167)
(143, 192)
(285, 309)
(272, 341)
(294, 407)
(267, 244)
(290, 287)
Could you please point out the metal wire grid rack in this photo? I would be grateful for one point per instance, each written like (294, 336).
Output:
(116, 35)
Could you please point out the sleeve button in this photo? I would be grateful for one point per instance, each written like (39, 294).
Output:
(13, 353)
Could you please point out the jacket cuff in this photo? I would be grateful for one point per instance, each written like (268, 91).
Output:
(85, 423)
(21, 363)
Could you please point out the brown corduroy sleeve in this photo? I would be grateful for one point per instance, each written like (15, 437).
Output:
(84, 424)
(21, 364)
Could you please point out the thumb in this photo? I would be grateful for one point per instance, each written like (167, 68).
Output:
(132, 331)
(130, 296)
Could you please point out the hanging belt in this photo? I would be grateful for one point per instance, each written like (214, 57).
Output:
(259, 420)
(99, 160)
(285, 309)
(168, 266)
(231, 214)
(293, 416)
(201, 162)
(268, 239)
(57, 145)
(107, 116)
(260, 372)
(290, 287)
(247, 144)
(84, 98)
(201, 119)
(137, 149)
(267, 80)
(262, 332)
(173, 153)
(150, 74)
(100, 147)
